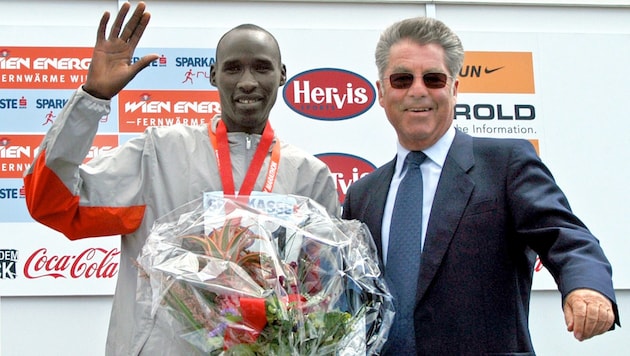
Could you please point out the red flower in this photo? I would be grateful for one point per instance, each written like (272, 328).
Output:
(254, 315)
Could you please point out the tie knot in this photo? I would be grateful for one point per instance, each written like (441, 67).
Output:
(415, 158)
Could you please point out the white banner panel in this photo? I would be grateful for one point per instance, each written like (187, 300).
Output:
(35, 260)
(519, 85)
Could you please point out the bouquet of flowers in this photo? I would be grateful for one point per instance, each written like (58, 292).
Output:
(272, 276)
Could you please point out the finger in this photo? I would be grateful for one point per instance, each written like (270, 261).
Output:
(579, 318)
(605, 320)
(133, 23)
(120, 18)
(591, 320)
(100, 33)
(568, 317)
(139, 30)
(143, 63)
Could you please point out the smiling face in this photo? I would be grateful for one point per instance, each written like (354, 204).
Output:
(419, 115)
(248, 72)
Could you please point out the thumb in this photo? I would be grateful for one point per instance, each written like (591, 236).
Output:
(568, 316)
(143, 62)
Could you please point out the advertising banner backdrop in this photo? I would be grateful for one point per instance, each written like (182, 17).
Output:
(35, 260)
(43, 67)
(329, 107)
(497, 96)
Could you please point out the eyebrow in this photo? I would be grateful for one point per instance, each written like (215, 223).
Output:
(257, 60)
(399, 69)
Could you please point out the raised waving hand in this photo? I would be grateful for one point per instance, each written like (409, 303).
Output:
(111, 68)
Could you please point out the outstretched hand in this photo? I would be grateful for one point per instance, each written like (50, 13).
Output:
(111, 68)
(587, 313)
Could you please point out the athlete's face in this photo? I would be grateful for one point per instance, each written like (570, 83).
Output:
(248, 72)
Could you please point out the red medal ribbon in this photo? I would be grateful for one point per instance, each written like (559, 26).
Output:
(222, 153)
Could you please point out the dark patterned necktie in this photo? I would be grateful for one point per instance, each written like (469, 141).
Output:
(403, 256)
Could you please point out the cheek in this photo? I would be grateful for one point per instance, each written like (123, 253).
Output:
(225, 100)
(391, 99)
(444, 99)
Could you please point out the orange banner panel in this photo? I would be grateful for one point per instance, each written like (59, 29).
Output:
(497, 72)
(18, 151)
(43, 67)
(535, 143)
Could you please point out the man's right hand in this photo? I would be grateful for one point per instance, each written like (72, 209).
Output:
(111, 68)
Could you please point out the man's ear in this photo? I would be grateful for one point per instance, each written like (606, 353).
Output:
(381, 92)
(213, 75)
(283, 75)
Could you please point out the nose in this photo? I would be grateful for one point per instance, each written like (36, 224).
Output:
(418, 88)
(247, 82)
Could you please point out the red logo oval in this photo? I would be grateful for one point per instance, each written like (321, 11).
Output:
(329, 94)
(346, 169)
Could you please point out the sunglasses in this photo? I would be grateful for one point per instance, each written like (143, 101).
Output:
(431, 80)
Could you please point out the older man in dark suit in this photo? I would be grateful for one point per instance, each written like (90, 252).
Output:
(476, 212)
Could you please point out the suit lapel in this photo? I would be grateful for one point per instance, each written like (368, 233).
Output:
(451, 197)
(376, 204)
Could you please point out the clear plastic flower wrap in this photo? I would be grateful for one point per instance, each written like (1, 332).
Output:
(274, 276)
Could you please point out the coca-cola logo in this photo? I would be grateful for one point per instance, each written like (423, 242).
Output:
(329, 94)
(90, 263)
(346, 169)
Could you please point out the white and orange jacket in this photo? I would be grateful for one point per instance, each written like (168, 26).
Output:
(125, 190)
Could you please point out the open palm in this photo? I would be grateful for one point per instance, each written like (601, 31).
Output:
(111, 68)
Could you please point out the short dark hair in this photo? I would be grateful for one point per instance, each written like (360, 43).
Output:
(250, 27)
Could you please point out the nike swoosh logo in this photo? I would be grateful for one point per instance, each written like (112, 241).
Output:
(488, 71)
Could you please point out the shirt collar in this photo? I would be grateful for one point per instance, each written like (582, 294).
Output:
(436, 153)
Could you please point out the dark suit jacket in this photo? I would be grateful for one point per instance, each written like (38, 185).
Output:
(495, 208)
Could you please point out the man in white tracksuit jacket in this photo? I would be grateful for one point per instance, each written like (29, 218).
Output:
(126, 189)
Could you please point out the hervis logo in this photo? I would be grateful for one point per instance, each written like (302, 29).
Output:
(346, 169)
(329, 94)
(497, 72)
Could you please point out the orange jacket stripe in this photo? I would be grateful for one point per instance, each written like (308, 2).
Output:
(51, 203)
